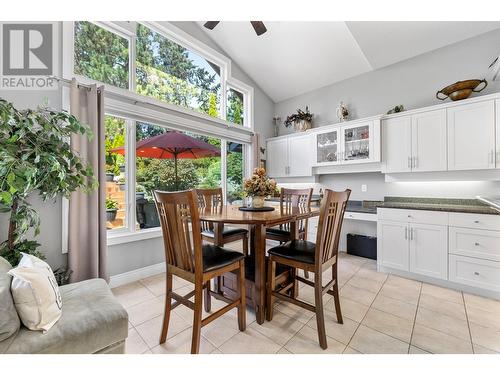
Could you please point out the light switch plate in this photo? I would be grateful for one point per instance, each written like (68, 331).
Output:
(364, 188)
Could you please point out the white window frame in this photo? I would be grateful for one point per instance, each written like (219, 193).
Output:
(180, 37)
(248, 93)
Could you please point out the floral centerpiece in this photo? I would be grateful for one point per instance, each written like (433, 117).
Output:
(259, 186)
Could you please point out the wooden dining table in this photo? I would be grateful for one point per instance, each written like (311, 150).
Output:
(258, 222)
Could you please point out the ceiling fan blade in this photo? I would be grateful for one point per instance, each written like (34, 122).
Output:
(211, 24)
(259, 27)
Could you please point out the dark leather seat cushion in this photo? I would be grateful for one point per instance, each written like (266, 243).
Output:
(215, 257)
(299, 250)
(228, 231)
(278, 232)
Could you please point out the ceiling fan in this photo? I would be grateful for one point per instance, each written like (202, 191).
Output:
(258, 26)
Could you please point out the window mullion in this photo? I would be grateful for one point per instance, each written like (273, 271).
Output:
(223, 172)
(130, 168)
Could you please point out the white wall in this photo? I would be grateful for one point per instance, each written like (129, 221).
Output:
(413, 83)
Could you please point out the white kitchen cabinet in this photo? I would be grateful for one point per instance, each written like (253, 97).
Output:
(299, 156)
(393, 245)
(415, 143)
(479, 273)
(358, 143)
(471, 136)
(277, 157)
(396, 141)
(428, 141)
(328, 148)
(429, 250)
(289, 156)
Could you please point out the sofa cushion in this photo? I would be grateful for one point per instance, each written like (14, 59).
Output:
(36, 294)
(92, 319)
(9, 320)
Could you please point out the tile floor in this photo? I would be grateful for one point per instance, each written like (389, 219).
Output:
(382, 314)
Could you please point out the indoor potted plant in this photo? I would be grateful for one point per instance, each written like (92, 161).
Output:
(301, 121)
(34, 157)
(111, 209)
(258, 187)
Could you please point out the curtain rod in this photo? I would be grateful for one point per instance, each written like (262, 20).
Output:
(69, 82)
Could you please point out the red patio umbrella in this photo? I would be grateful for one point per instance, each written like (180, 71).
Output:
(172, 145)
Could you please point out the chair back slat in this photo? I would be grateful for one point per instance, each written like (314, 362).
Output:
(333, 206)
(293, 198)
(180, 223)
(209, 201)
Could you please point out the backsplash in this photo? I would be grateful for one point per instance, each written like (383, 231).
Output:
(377, 188)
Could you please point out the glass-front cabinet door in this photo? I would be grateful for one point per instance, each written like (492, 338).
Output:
(357, 143)
(328, 147)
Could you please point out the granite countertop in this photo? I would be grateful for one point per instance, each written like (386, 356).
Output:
(439, 204)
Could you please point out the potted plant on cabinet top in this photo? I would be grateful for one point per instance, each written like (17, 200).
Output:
(258, 187)
(301, 121)
(34, 157)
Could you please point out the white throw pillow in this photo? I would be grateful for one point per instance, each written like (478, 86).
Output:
(35, 293)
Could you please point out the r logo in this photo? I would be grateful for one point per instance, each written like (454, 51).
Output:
(27, 49)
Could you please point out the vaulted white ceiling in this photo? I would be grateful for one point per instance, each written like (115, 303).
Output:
(292, 58)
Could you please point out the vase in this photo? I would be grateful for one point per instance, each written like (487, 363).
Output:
(258, 201)
(301, 125)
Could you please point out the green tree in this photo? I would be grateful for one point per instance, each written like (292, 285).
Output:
(235, 107)
(101, 55)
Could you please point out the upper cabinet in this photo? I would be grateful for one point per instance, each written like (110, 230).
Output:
(348, 143)
(453, 136)
(471, 136)
(428, 141)
(396, 141)
(415, 143)
(289, 156)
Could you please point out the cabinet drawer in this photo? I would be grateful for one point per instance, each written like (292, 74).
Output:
(484, 244)
(413, 216)
(476, 221)
(475, 272)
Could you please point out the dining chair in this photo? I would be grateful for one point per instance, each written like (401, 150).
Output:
(211, 200)
(315, 257)
(289, 199)
(187, 258)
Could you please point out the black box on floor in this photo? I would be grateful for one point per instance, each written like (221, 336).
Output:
(362, 246)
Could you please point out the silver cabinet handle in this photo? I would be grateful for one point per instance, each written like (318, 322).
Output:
(476, 273)
(411, 234)
(492, 157)
(414, 162)
(406, 233)
(409, 162)
(476, 244)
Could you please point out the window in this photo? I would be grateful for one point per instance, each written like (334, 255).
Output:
(171, 73)
(157, 170)
(101, 55)
(116, 198)
(160, 61)
(235, 172)
(235, 107)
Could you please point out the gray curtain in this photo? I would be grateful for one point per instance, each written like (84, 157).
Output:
(256, 155)
(87, 213)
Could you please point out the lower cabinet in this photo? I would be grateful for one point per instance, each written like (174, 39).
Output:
(429, 250)
(393, 245)
(461, 248)
(480, 273)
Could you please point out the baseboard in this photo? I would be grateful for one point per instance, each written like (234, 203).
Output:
(135, 275)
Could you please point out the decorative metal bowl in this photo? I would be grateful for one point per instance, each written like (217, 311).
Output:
(461, 89)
